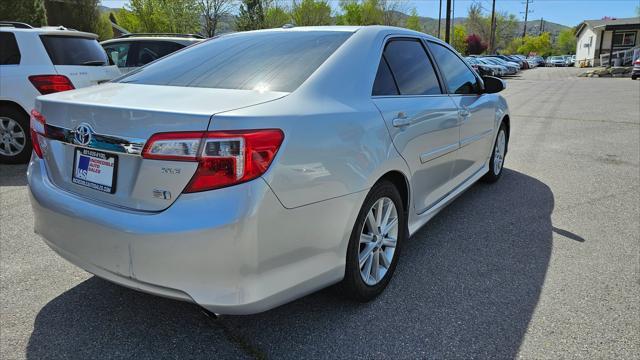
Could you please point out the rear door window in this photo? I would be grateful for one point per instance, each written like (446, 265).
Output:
(459, 78)
(118, 53)
(411, 67)
(268, 61)
(384, 84)
(9, 51)
(149, 51)
(74, 50)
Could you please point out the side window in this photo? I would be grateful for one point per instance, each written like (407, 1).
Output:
(9, 52)
(459, 78)
(118, 53)
(149, 51)
(411, 68)
(384, 84)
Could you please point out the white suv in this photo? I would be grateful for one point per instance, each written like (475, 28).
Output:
(38, 61)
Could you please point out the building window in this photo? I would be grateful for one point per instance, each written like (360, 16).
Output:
(624, 39)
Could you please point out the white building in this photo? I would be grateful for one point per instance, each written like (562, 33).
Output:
(606, 37)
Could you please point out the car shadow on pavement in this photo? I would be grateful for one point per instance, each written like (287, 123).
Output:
(466, 287)
(13, 175)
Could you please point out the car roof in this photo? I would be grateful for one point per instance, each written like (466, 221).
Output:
(50, 30)
(346, 28)
(180, 40)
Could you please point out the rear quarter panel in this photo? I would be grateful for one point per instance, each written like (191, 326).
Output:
(330, 148)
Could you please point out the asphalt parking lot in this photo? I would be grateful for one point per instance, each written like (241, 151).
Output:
(543, 264)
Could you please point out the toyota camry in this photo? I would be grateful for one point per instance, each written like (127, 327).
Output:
(254, 168)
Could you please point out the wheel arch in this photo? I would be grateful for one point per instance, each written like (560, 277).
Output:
(13, 105)
(400, 181)
(507, 123)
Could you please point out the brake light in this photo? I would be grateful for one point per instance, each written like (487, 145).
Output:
(48, 84)
(224, 157)
(37, 123)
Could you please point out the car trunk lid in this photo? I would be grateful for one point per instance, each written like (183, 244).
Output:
(120, 118)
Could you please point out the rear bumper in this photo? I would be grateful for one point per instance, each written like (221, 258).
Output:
(233, 251)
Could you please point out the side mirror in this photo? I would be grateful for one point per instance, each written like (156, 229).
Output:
(493, 85)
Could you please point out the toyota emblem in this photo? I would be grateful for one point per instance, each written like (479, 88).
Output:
(82, 134)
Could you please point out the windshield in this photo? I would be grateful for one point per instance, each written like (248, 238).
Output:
(72, 50)
(264, 61)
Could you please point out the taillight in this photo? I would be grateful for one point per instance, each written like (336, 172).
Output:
(48, 84)
(37, 129)
(224, 157)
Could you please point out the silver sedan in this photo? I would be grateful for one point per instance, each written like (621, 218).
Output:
(254, 168)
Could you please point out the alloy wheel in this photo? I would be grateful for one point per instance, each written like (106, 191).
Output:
(498, 156)
(12, 137)
(378, 240)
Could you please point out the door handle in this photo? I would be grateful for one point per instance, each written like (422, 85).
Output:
(401, 120)
(464, 113)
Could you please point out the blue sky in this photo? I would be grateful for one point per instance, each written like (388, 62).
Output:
(566, 12)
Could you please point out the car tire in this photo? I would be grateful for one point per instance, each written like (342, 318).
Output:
(496, 163)
(15, 140)
(382, 250)
(633, 77)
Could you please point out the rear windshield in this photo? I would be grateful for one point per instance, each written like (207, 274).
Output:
(268, 61)
(70, 50)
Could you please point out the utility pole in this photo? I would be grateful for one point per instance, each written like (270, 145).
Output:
(453, 18)
(541, 26)
(492, 36)
(526, 16)
(447, 23)
(440, 19)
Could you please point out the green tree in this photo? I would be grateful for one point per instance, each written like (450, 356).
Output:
(372, 12)
(276, 17)
(179, 16)
(32, 12)
(128, 20)
(479, 23)
(365, 12)
(311, 12)
(212, 12)
(250, 15)
(413, 21)
(351, 13)
(459, 40)
(566, 42)
(512, 47)
(103, 27)
(540, 45)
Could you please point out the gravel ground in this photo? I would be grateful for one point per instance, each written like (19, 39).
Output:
(543, 264)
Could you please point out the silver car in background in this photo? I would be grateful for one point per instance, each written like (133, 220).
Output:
(252, 169)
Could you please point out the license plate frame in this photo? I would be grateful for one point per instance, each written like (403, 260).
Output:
(98, 160)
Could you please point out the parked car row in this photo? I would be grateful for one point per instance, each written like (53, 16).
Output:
(561, 61)
(502, 65)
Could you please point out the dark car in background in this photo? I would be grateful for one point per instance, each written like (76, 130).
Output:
(130, 51)
(483, 69)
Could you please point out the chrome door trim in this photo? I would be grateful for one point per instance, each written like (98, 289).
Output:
(438, 152)
(102, 142)
(466, 141)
